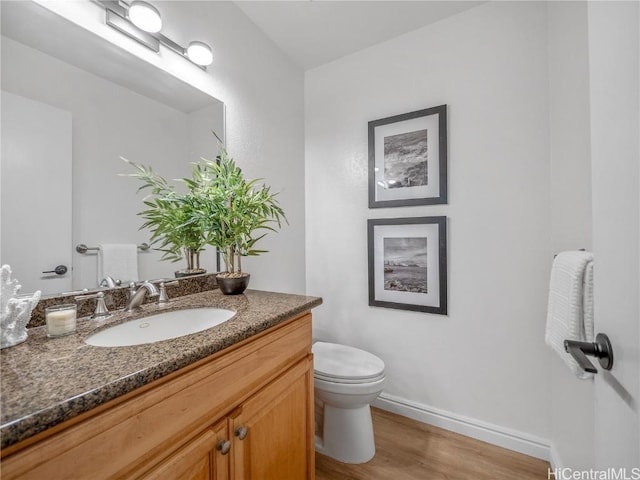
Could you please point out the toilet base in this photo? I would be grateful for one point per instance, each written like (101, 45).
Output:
(347, 434)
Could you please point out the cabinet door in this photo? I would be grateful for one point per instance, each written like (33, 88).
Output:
(273, 430)
(204, 458)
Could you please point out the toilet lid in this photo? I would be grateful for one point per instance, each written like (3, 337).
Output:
(331, 360)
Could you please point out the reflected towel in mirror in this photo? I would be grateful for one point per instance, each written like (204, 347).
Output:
(119, 261)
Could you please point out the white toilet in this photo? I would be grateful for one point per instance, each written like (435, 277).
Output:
(346, 381)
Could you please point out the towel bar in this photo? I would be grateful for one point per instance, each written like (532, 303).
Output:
(82, 248)
(580, 250)
(601, 349)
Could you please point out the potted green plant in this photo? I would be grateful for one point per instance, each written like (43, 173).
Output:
(176, 228)
(238, 213)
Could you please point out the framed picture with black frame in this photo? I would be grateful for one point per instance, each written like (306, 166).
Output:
(408, 159)
(408, 263)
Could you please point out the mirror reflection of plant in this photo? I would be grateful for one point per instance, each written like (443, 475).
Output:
(237, 211)
(174, 219)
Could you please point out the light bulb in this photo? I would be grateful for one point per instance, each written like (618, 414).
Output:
(200, 53)
(145, 16)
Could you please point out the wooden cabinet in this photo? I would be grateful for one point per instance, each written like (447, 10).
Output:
(243, 413)
(270, 430)
(264, 438)
(206, 457)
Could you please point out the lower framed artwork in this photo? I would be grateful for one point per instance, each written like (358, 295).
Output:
(408, 263)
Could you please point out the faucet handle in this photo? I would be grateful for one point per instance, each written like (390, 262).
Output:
(101, 308)
(164, 298)
(132, 289)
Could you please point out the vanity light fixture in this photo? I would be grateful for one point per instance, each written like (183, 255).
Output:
(142, 22)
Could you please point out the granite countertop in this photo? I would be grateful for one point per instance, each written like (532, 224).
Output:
(47, 381)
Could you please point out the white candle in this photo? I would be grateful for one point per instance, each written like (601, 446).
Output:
(61, 320)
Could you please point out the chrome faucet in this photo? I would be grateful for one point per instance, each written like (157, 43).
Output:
(109, 282)
(137, 296)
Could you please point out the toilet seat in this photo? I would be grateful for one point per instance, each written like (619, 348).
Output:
(346, 381)
(343, 364)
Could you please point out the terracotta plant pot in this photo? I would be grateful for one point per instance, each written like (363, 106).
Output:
(233, 285)
(188, 272)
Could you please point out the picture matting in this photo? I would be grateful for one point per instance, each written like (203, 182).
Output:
(408, 159)
(408, 263)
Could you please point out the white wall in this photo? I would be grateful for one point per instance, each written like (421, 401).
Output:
(572, 427)
(263, 93)
(485, 364)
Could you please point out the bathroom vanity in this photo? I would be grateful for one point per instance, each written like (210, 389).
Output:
(232, 402)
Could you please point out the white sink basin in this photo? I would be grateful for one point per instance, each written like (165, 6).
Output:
(161, 326)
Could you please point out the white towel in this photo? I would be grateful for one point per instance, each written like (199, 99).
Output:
(119, 261)
(587, 302)
(570, 309)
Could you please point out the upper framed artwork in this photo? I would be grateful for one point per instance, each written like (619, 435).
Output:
(408, 159)
(408, 263)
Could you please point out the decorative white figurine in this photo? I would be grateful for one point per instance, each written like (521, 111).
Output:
(15, 309)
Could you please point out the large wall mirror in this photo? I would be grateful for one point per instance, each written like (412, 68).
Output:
(72, 105)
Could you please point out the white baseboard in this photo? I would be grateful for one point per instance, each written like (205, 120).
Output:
(554, 458)
(494, 434)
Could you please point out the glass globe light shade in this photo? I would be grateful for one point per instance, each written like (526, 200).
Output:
(145, 16)
(200, 53)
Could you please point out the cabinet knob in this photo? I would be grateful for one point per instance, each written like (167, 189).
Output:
(223, 446)
(241, 432)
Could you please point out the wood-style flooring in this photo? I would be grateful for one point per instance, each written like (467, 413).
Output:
(410, 450)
